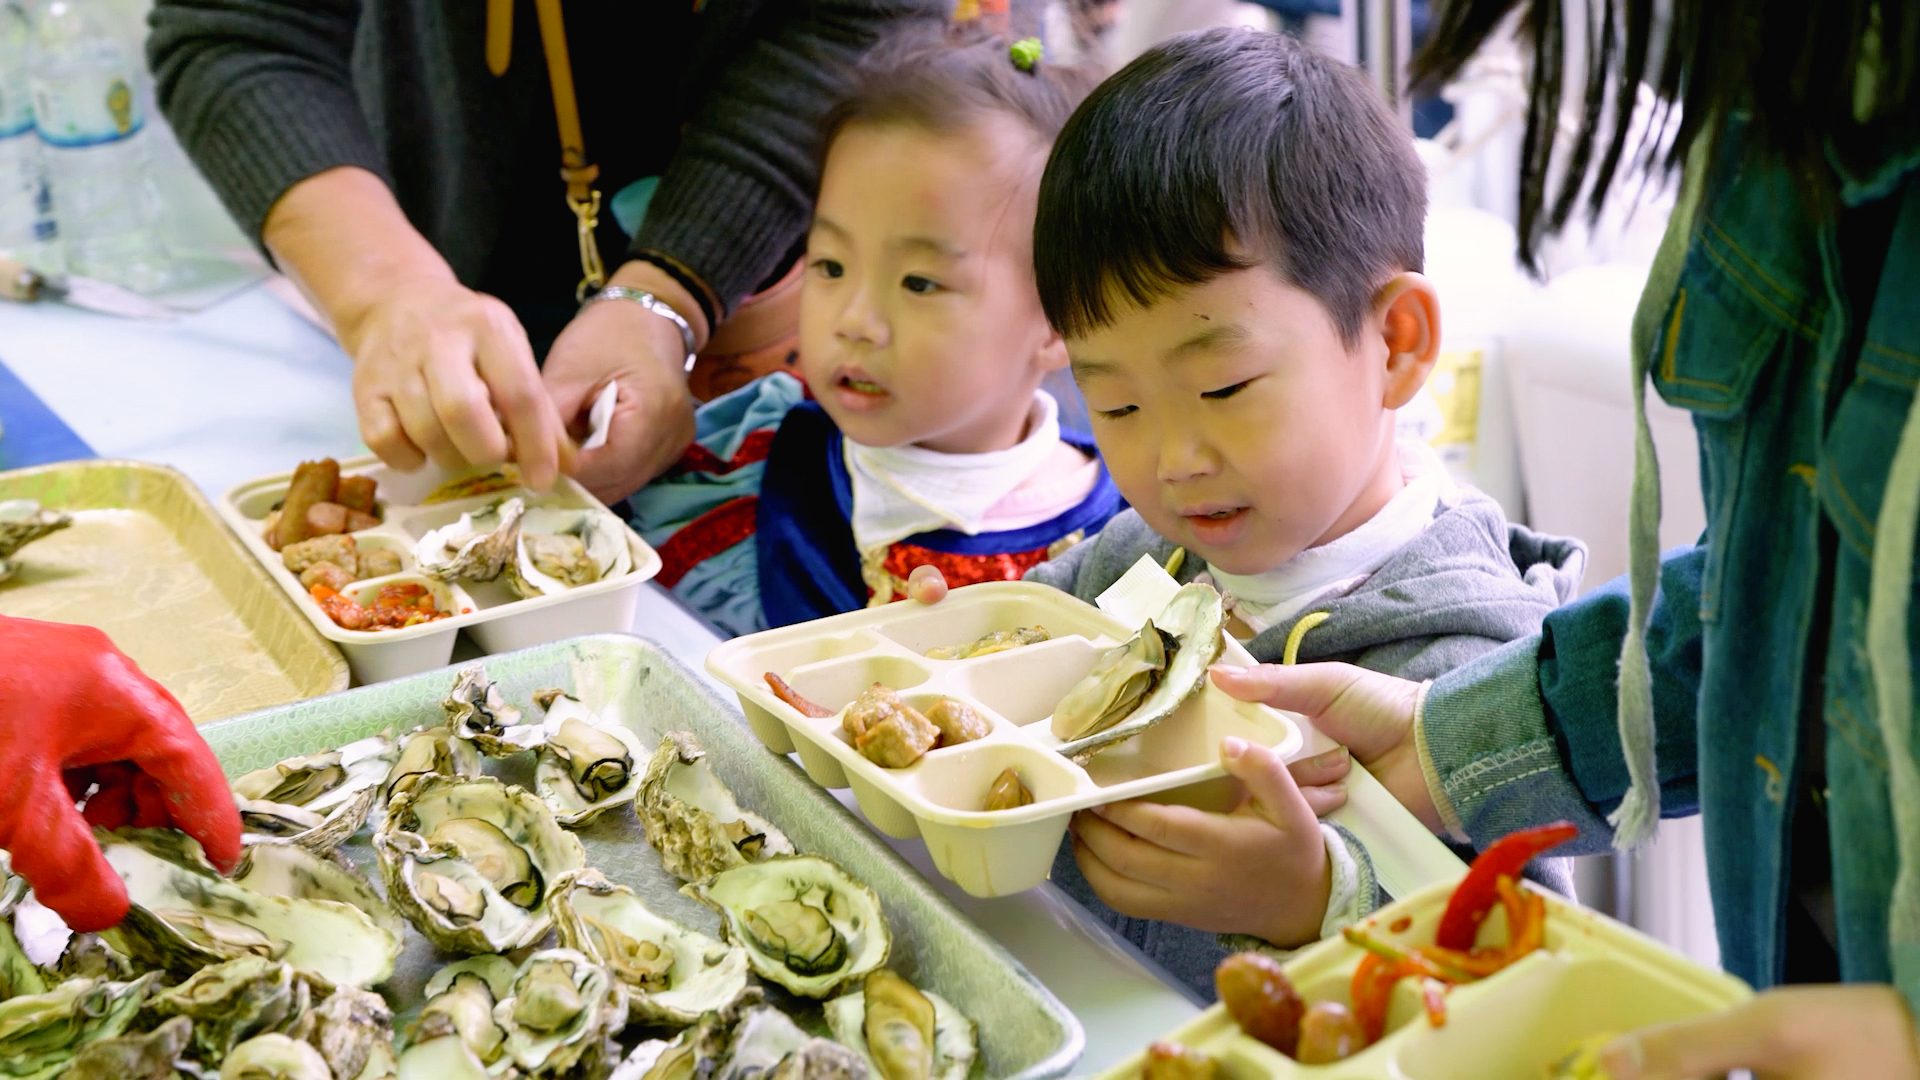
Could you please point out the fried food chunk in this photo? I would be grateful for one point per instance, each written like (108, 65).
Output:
(886, 730)
(325, 573)
(356, 493)
(313, 482)
(341, 551)
(1261, 999)
(378, 562)
(958, 722)
(1329, 1033)
(326, 519)
(1172, 1061)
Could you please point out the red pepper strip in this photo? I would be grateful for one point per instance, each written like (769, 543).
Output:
(792, 697)
(1479, 963)
(1414, 963)
(1476, 893)
(1433, 994)
(1372, 991)
(1526, 919)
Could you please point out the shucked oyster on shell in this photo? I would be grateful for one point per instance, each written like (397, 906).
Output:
(21, 522)
(806, 924)
(561, 1013)
(185, 916)
(40, 1033)
(423, 752)
(455, 1035)
(275, 1057)
(672, 974)
(478, 711)
(903, 1032)
(318, 800)
(477, 547)
(693, 821)
(281, 869)
(588, 765)
(469, 862)
(234, 1001)
(561, 549)
(1131, 688)
(133, 1057)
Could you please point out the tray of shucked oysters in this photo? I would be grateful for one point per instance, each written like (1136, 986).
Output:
(981, 723)
(392, 566)
(572, 862)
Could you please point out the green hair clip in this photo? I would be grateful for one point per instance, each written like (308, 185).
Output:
(1026, 52)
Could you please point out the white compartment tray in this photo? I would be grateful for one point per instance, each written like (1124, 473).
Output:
(495, 618)
(939, 798)
(1594, 977)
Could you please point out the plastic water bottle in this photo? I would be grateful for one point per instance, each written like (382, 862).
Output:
(26, 212)
(88, 112)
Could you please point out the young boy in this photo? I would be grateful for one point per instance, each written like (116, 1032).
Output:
(1229, 239)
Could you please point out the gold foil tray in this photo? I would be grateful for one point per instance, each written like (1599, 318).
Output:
(148, 561)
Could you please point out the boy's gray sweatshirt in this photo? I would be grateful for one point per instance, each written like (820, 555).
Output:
(1469, 583)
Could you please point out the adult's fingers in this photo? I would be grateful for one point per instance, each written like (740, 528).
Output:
(420, 419)
(462, 404)
(1364, 710)
(52, 847)
(927, 584)
(505, 362)
(381, 430)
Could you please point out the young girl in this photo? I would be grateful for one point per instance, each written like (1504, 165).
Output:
(921, 435)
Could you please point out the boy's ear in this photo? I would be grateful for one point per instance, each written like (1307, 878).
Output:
(1052, 355)
(1407, 311)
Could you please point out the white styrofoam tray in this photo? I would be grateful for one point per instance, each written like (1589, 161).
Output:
(494, 617)
(1594, 977)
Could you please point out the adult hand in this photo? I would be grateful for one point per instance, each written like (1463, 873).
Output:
(1793, 1033)
(81, 714)
(440, 372)
(622, 342)
(1260, 870)
(1368, 713)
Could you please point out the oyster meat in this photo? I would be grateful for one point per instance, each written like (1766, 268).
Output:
(40, 1033)
(468, 862)
(477, 547)
(659, 1059)
(986, 644)
(21, 522)
(672, 974)
(1142, 682)
(280, 869)
(561, 549)
(318, 800)
(765, 1044)
(427, 751)
(693, 821)
(1007, 792)
(133, 1057)
(588, 765)
(184, 916)
(903, 1032)
(351, 1029)
(275, 1057)
(886, 730)
(478, 711)
(805, 923)
(455, 1034)
(561, 1013)
(231, 1002)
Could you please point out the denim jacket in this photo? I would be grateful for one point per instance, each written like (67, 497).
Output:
(1797, 349)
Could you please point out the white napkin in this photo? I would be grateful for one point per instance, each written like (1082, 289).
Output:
(902, 490)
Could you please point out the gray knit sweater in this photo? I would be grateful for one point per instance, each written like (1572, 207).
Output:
(264, 93)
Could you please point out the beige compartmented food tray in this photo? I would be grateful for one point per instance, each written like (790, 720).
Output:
(494, 617)
(939, 798)
(147, 561)
(1025, 1032)
(1594, 977)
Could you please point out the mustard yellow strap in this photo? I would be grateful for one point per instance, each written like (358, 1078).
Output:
(499, 36)
(1299, 633)
(1175, 561)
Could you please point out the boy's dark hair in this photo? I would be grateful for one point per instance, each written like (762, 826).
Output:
(949, 77)
(1219, 151)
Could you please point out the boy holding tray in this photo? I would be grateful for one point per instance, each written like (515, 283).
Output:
(1229, 238)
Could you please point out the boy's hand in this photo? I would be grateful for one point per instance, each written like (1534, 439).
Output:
(1260, 870)
(1365, 711)
(927, 585)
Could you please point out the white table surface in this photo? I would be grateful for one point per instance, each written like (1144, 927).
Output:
(247, 388)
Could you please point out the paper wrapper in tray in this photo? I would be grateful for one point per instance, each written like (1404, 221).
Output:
(941, 797)
(492, 615)
(148, 561)
(1024, 1031)
(1594, 977)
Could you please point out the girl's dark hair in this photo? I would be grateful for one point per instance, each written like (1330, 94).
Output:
(1797, 68)
(950, 77)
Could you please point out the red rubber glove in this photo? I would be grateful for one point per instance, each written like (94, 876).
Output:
(74, 712)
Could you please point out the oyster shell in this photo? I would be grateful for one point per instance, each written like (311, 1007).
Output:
(231, 1002)
(561, 1013)
(477, 711)
(659, 1059)
(459, 1010)
(275, 1057)
(184, 916)
(561, 549)
(693, 821)
(1194, 619)
(292, 871)
(426, 751)
(672, 974)
(40, 1033)
(469, 861)
(987, 644)
(352, 1029)
(21, 522)
(133, 1057)
(805, 923)
(903, 1032)
(477, 547)
(1121, 678)
(588, 765)
(18, 973)
(765, 1044)
(318, 800)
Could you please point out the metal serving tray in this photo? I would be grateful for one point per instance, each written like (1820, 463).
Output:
(1024, 1030)
(149, 562)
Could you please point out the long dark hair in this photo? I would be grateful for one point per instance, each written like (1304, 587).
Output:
(1807, 73)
